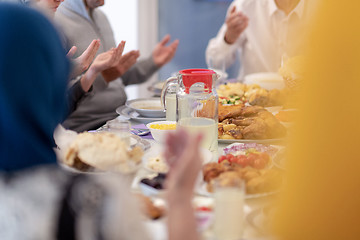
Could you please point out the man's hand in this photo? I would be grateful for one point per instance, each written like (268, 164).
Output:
(108, 59)
(126, 61)
(236, 23)
(103, 61)
(84, 60)
(162, 54)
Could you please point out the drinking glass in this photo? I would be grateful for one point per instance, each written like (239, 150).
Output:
(121, 128)
(229, 210)
(170, 100)
(219, 67)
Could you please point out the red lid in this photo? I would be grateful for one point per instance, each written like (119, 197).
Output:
(191, 76)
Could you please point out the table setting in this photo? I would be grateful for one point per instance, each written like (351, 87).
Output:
(240, 146)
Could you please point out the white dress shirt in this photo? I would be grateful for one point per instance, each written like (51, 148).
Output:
(270, 36)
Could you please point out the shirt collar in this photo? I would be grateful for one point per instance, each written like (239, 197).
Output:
(299, 9)
(77, 7)
(272, 7)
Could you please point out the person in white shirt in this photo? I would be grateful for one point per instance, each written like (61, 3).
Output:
(262, 32)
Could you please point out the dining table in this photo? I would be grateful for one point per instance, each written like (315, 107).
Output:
(253, 207)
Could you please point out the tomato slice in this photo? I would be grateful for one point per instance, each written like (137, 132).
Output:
(221, 158)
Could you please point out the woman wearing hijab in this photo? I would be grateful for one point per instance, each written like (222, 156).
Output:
(38, 200)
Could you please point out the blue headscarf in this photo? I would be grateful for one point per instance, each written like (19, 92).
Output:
(33, 77)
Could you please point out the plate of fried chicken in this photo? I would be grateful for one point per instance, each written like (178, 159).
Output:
(240, 123)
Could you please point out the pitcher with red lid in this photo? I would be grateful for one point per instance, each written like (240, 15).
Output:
(196, 104)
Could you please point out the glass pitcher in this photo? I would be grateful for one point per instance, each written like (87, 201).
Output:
(196, 104)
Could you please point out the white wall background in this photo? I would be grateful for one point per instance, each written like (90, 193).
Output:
(123, 17)
(136, 22)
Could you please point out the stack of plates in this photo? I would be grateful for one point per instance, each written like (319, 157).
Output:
(144, 110)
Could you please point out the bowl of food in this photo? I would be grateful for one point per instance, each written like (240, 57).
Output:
(147, 107)
(266, 80)
(160, 129)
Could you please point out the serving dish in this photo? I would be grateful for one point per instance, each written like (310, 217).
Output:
(160, 134)
(262, 141)
(61, 152)
(266, 80)
(251, 163)
(132, 114)
(147, 107)
(202, 191)
(156, 88)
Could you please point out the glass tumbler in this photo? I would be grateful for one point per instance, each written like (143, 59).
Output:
(229, 209)
(121, 128)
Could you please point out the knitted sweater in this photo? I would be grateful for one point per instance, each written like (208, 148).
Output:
(99, 105)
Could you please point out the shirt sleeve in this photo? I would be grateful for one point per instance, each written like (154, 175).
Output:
(140, 72)
(219, 52)
(75, 93)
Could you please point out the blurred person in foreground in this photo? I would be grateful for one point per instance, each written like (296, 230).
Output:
(261, 33)
(38, 199)
(321, 199)
(82, 21)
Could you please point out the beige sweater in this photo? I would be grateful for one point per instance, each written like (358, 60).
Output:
(99, 105)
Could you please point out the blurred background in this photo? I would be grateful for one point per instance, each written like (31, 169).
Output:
(143, 23)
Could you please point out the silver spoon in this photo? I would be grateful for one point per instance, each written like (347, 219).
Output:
(140, 131)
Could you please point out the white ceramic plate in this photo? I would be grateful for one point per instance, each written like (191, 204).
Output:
(132, 114)
(147, 107)
(202, 191)
(134, 141)
(262, 141)
(274, 151)
(266, 80)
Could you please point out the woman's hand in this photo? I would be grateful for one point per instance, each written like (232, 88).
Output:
(183, 156)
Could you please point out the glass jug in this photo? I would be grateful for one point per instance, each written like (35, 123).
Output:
(196, 104)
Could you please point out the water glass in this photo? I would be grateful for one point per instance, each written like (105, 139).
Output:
(121, 128)
(229, 210)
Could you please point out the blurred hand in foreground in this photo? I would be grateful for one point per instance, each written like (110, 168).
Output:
(184, 158)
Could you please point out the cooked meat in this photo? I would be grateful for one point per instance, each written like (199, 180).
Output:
(250, 111)
(236, 133)
(257, 130)
(229, 111)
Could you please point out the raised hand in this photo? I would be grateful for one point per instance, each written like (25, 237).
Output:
(102, 62)
(108, 59)
(84, 60)
(236, 23)
(183, 156)
(162, 54)
(126, 61)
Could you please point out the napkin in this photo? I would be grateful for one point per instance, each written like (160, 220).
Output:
(142, 126)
